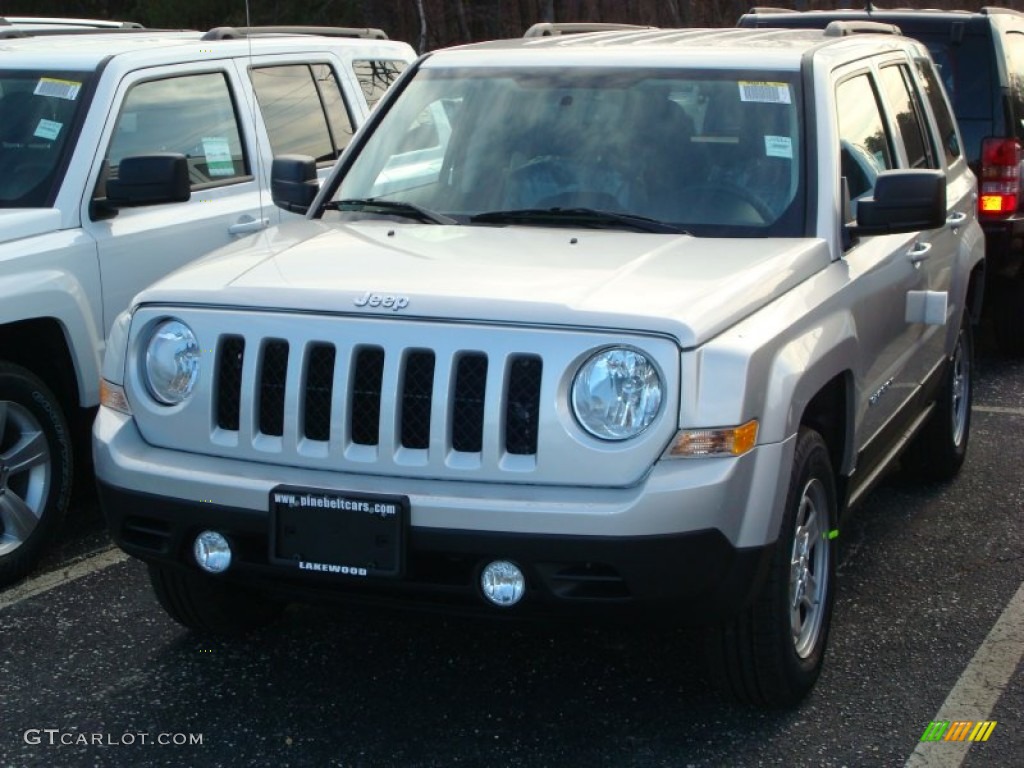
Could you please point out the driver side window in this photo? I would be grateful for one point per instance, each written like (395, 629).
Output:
(864, 145)
(193, 115)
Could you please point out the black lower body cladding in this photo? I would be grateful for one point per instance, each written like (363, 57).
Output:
(683, 579)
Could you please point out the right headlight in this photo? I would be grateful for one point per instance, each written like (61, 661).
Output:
(617, 393)
(172, 362)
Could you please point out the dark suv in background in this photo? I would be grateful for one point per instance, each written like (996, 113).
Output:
(981, 59)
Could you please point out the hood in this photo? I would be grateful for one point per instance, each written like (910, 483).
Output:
(685, 287)
(19, 223)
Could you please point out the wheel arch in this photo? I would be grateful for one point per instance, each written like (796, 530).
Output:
(41, 346)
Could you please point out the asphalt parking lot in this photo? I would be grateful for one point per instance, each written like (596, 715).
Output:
(929, 627)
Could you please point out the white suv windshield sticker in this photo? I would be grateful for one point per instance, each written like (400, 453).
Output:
(765, 93)
(778, 146)
(62, 89)
(47, 129)
(218, 157)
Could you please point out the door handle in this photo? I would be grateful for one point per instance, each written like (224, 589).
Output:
(248, 224)
(956, 219)
(919, 253)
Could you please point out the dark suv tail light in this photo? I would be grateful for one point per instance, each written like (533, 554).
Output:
(1000, 177)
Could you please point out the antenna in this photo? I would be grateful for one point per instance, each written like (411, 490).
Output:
(868, 6)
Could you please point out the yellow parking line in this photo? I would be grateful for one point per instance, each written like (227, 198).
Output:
(63, 575)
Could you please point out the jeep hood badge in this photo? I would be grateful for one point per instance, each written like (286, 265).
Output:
(384, 300)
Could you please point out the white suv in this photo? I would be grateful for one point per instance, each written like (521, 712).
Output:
(124, 155)
(609, 324)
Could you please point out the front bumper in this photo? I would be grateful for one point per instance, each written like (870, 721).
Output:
(668, 550)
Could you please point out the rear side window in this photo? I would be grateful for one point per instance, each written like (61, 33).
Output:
(864, 146)
(303, 109)
(375, 76)
(193, 115)
(965, 68)
(1015, 54)
(907, 112)
(940, 109)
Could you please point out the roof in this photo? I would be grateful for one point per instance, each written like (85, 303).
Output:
(732, 47)
(85, 52)
(765, 17)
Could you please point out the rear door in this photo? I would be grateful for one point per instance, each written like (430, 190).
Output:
(934, 253)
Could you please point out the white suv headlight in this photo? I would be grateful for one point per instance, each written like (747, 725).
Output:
(172, 362)
(617, 393)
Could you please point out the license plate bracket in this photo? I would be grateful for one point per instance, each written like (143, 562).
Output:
(338, 532)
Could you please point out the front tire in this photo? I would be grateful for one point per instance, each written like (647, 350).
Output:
(772, 653)
(36, 469)
(209, 605)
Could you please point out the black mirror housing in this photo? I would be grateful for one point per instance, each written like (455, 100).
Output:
(293, 182)
(903, 201)
(150, 179)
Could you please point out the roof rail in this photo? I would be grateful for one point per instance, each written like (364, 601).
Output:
(35, 26)
(53, 21)
(769, 9)
(238, 33)
(554, 29)
(990, 10)
(845, 28)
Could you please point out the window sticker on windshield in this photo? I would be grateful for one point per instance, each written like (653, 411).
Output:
(218, 157)
(61, 89)
(778, 146)
(47, 129)
(764, 93)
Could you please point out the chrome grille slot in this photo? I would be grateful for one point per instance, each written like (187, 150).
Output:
(522, 405)
(467, 424)
(228, 391)
(273, 374)
(319, 389)
(417, 396)
(364, 414)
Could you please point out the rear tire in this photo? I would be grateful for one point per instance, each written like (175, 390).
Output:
(938, 451)
(772, 653)
(209, 605)
(35, 470)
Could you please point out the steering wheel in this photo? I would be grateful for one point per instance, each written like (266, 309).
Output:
(722, 197)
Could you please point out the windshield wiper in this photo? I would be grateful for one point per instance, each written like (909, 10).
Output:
(580, 217)
(394, 207)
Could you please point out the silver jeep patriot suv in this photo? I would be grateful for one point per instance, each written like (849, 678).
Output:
(613, 324)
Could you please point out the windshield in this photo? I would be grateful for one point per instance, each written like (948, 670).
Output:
(37, 113)
(707, 152)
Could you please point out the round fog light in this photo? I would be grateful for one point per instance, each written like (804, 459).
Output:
(212, 552)
(503, 583)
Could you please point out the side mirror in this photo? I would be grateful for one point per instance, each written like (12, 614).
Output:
(903, 201)
(293, 182)
(149, 180)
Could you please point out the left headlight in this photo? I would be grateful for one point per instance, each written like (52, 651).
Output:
(172, 362)
(617, 393)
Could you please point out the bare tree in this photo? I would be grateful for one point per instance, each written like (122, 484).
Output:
(423, 26)
(460, 15)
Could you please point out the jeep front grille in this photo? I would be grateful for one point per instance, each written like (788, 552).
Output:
(363, 397)
(410, 414)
